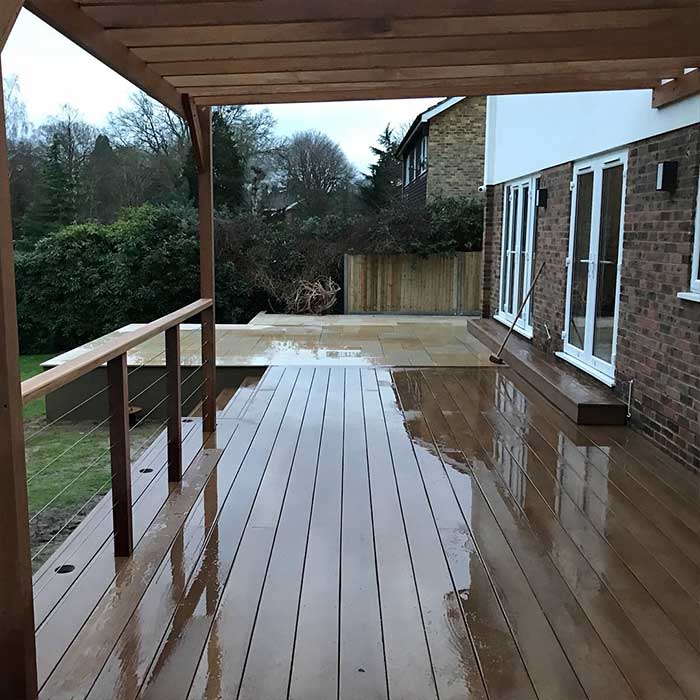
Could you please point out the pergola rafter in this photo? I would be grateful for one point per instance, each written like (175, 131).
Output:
(274, 50)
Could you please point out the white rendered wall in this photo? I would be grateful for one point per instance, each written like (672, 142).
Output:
(527, 133)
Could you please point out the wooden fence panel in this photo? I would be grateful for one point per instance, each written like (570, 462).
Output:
(411, 284)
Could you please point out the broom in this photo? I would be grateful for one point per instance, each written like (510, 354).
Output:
(496, 359)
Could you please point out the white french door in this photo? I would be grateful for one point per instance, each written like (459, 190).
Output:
(517, 244)
(594, 263)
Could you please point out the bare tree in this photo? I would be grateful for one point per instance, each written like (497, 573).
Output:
(315, 170)
(150, 126)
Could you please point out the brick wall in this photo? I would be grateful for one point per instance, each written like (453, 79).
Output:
(658, 342)
(456, 143)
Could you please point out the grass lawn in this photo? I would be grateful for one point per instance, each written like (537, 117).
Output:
(68, 467)
(29, 365)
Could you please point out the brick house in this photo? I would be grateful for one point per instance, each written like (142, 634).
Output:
(443, 151)
(604, 189)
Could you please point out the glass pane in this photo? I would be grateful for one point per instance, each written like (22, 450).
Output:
(522, 251)
(579, 261)
(510, 260)
(504, 247)
(608, 252)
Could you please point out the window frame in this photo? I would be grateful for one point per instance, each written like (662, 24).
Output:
(513, 219)
(695, 263)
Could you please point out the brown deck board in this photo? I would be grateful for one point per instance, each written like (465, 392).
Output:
(487, 505)
(314, 674)
(617, 471)
(464, 619)
(362, 673)
(190, 632)
(657, 605)
(269, 657)
(365, 533)
(606, 507)
(622, 624)
(482, 541)
(408, 662)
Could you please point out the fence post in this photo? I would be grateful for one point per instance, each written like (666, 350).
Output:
(120, 454)
(174, 403)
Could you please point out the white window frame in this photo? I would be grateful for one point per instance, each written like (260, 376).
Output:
(524, 325)
(584, 359)
(695, 267)
(423, 154)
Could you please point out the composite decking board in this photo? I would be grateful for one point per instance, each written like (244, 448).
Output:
(362, 674)
(614, 509)
(409, 668)
(451, 517)
(463, 616)
(649, 594)
(616, 470)
(96, 530)
(660, 480)
(314, 673)
(644, 642)
(143, 631)
(679, 480)
(72, 607)
(591, 660)
(544, 659)
(269, 655)
(175, 659)
(75, 674)
(225, 650)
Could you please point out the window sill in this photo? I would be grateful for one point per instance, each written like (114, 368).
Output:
(603, 378)
(525, 332)
(689, 296)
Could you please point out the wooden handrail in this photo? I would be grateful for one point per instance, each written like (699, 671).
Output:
(55, 378)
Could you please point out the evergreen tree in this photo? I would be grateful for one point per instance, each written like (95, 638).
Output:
(382, 185)
(105, 195)
(228, 167)
(54, 204)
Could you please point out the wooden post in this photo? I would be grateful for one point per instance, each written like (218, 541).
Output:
(117, 377)
(18, 658)
(206, 270)
(174, 403)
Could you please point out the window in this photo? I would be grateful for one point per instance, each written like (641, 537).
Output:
(517, 245)
(416, 161)
(695, 269)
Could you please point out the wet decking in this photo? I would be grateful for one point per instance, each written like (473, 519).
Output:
(413, 534)
(342, 341)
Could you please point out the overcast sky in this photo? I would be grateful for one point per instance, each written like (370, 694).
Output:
(53, 71)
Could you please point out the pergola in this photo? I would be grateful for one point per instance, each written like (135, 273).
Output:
(192, 54)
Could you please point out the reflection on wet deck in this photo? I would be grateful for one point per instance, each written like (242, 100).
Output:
(360, 341)
(368, 533)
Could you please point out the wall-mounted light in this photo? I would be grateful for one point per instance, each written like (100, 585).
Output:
(667, 176)
(541, 198)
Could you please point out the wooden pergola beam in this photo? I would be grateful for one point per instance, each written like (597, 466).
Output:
(655, 69)
(195, 128)
(67, 18)
(9, 10)
(433, 89)
(521, 47)
(157, 13)
(656, 19)
(677, 89)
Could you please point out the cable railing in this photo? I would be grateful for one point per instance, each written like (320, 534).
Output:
(68, 485)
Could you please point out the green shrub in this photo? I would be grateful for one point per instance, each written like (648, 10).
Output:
(89, 279)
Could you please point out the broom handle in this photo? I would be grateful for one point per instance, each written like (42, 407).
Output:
(520, 310)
